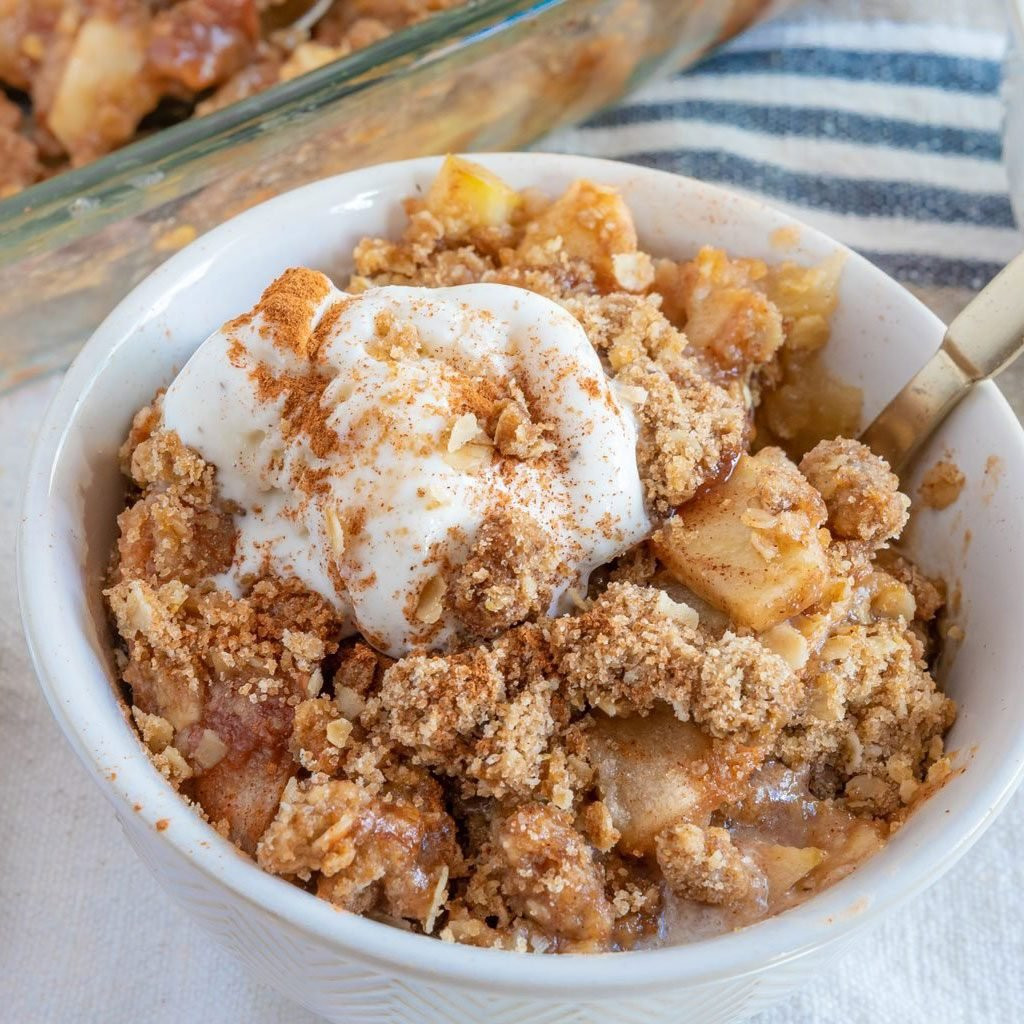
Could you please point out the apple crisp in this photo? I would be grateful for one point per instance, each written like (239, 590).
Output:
(84, 77)
(558, 751)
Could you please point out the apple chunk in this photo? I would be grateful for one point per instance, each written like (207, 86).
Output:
(753, 546)
(655, 771)
(468, 197)
(102, 94)
(784, 866)
(591, 223)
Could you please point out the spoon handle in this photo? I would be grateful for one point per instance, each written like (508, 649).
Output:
(985, 337)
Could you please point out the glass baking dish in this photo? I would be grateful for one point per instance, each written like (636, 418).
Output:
(494, 74)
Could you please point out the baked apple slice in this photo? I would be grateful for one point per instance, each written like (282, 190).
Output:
(753, 546)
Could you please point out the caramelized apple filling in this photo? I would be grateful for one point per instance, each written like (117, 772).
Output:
(706, 729)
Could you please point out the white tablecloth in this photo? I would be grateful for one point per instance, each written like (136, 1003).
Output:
(86, 936)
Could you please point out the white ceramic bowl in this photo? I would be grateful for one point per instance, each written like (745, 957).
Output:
(355, 970)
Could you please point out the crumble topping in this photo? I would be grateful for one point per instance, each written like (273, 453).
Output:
(548, 873)
(746, 690)
(508, 576)
(691, 432)
(394, 852)
(597, 825)
(310, 743)
(941, 485)
(862, 496)
(717, 721)
(728, 317)
(177, 531)
(628, 328)
(872, 712)
(703, 865)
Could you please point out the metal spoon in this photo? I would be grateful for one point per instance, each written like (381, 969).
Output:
(983, 339)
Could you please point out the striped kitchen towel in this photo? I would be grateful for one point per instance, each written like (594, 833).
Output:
(884, 135)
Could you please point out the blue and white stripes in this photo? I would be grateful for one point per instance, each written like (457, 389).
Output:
(885, 135)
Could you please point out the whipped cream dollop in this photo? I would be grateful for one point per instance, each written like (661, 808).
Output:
(351, 431)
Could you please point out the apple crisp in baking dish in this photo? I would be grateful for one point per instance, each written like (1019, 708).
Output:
(84, 77)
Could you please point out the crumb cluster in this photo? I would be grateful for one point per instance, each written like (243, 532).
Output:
(732, 715)
(941, 485)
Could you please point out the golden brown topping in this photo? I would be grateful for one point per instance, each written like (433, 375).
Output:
(628, 328)
(862, 495)
(164, 538)
(691, 432)
(493, 716)
(483, 715)
(91, 72)
(745, 691)
(176, 530)
(161, 461)
(745, 666)
(224, 673)
(144, 423)
(632, 647)
(316, 829)
(703, 865)
(309, 743)
(551, 876)
(871, 713)
(598, 826)
(386, 854)
(508, 576)
(941, 485)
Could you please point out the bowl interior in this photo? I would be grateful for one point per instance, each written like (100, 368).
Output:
(881, 335)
